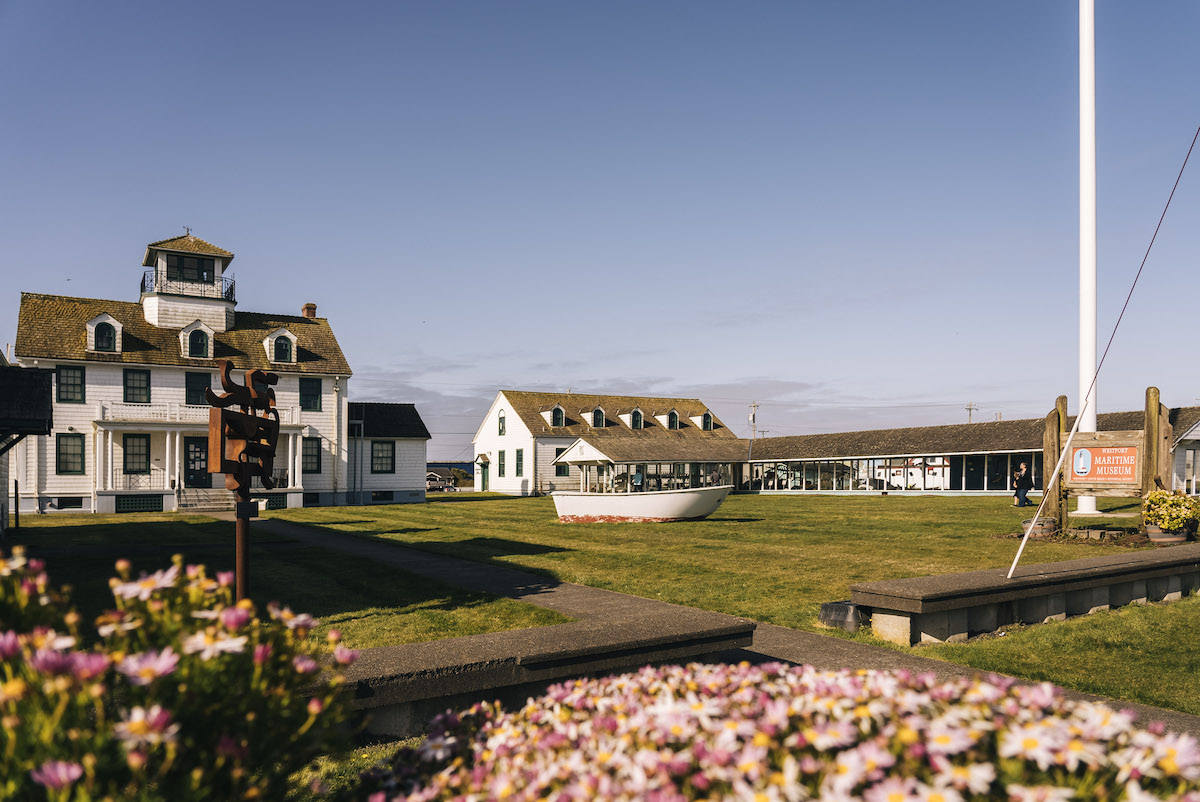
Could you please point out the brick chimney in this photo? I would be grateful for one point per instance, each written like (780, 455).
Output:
(309, 310)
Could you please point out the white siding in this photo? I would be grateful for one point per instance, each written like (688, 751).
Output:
(547, 481)
(177, 311)
(407, 482)
(489, 441)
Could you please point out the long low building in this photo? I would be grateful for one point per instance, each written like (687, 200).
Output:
(968, 458)
(960, 459)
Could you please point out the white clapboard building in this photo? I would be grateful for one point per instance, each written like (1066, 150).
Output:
(130, 418)
(523, 432)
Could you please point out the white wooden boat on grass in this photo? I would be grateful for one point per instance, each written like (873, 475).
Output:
(686, 504)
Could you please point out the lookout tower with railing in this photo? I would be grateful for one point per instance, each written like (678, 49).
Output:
(185, 282)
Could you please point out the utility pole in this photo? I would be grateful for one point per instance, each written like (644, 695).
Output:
(970, 407)
(753, 423)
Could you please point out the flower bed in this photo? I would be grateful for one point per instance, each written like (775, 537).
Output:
(784, 733)
(185, 696)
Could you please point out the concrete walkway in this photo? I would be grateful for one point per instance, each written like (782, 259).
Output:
(771, 642)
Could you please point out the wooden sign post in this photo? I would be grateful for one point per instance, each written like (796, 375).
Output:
(241, 445)
(1124, 464)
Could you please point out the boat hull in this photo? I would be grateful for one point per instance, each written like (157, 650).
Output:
(659, 506)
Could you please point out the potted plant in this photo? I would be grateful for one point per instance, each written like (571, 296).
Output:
(1169, 517)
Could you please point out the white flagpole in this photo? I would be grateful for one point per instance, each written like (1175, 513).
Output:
(1087, 228)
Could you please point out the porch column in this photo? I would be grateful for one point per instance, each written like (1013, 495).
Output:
(297, 461)
(108, 458)
(167, 437)
(179, 459)
(292, 460)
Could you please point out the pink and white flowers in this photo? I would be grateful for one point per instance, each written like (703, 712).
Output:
(790, 733)
(144, 668)
(209, 643)
(146, 727)
(145, 586)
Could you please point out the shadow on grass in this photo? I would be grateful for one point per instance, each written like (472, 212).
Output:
(484, 547)
(736, 520)
(460, 498)
(408, 531)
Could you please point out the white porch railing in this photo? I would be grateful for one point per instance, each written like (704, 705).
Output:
(155, 480)
(168, 412)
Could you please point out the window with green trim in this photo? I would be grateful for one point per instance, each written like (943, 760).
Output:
(194, 386)
(635, 419)
(557, 417)
(68, 454)
(673, 420)
(137, 386)
(598, 419)
(706, 422)
(198, 344)
(561, 469)
(283, 349)
(310, 455)
(135, 451)
(500, 427)
(383, 456)
(520, 462)
(106, 337)
(310, 395)
(500, 464)
(69, 379)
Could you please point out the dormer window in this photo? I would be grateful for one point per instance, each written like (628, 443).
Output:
(598, 418)
(198, 344)
(706, 422)
(281, 346)
(104, 334)
(558, 417)
(106, 337)
(500, 426)
(635, 419)
(673, 420)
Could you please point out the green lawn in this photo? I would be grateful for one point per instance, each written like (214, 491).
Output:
(778, 558)
(372, 604)
(772, 558)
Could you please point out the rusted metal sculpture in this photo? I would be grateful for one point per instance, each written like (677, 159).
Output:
(241, 445)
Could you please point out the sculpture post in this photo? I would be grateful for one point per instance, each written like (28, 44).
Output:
(241, 445)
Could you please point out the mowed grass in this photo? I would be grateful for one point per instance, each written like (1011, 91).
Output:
(372, 604)
(772, 558)
(777, 559)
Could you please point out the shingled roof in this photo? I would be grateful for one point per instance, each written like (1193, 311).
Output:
(185, 244)
(578, 407)
(55, 327)
(964, 438)
(387, 420)
(631, 448)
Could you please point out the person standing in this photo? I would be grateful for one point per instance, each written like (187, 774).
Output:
(1023, 482)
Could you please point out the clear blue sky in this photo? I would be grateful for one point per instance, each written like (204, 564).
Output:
(858, 214)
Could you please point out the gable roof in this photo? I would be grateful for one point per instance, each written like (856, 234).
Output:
(387, 420)
(578, 406)
(631, 447)
(1009, 435)
(186, 244)
(54, 327)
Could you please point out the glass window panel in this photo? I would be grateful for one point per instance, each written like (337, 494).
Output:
(135, 450)
(69, 453)
(310, 455)
(383, 456)
(974, 466)
(137, 386)
(198, 344)
(106, 337)
(195, 385)
(998, 475)
(310, 395)
(69, 379)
